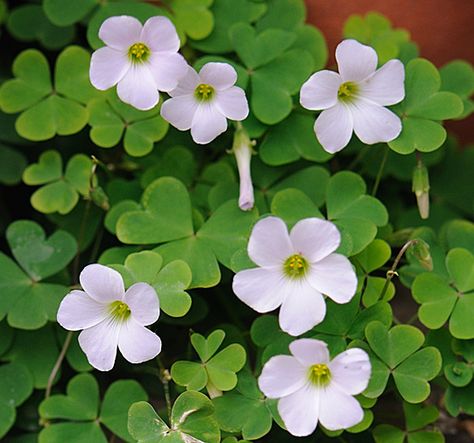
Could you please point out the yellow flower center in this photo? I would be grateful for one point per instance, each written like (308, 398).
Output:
(347, 91)
(295, 266)
(319, 374)
(120, 310)
(138, 52)
(204, 92)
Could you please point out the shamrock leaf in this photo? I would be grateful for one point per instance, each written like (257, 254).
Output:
(193, 17)
(458, 234)
(453, 297)
(216, 371)
(422, 109)
(191, 421)
(244, 410)
(80, 408)
(460, 400)
(30, 304)
(458, 77)
(225, 15)
(169, 281)
(61, 191)
(64, 14)
(29, 22)
(356, 214)
(16, 385)
(291, 140)
(398, 353)
(417, 417)
(110, 119)
(47, 110)
(12, 164)
(283, 14)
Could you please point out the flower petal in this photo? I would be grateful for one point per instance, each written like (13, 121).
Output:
(208, 123)
(80, 311)
(160, 35)
(355, 60)
(269, 243)
(338, 410)
(302, 309)
(315, 238)
(143, 302)
(334, 276)
(120, 32)
(219, 75)
(102, 283)
(333, 128)
(138, 88)
(350, 371)
(99, 343)
(260, 288)
(108, 66)
(137, 343)
(320, 90)
(282, 375)
(233, 103)
(179, 111)
(374, 123)
(300, 411)
(167, 69)
(310, 351)
(386, 85)
(187, 84)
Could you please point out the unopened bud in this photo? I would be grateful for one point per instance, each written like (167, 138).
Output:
(99, 197)
(420, 251)
(242, 149)
(421, 188)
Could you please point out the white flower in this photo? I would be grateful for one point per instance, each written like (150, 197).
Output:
(354, 99)
(312, 388)
(203, 102)
(142, 60)
(242, 148)
(294, 271)
(111, 317)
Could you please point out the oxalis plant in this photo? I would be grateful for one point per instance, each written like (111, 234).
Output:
(210, 234)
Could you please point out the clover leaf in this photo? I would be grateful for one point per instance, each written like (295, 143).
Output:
(16, 385)
(64, 14)
(244, 409)
(453, 297)
(12, 165)
(217, 371)
(29, 22)
(193, 17)
(27, 303)
(110, 119)
(397, 352)
(283, 14)
(191, 420)
(61, 191)
(47, 110)
(458, 77)
(169, 281)
(80, 410)
(460, 400)
(423, 108)
(356, 214)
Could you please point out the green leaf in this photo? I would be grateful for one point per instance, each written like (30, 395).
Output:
(388, 434)
(63, 14)
(293, 205)
(458, 374)
(190, 374)
(222, 367)
(49, 168)
(12, 165)
(193, 17)
(166, 215)
(207, 347)
(460, 265)
(460, 400)
(418, 416)
(458, 77)
(283, 14)
(374, 256)
(312, 40)
(291, 140)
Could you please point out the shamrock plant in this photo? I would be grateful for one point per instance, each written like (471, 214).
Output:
(219, 225)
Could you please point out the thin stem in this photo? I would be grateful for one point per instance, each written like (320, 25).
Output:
(75, 267)
(58, 363)
(393, 270)
(380, 172)
(165, 378)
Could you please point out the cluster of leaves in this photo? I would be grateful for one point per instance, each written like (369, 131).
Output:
(160, 209)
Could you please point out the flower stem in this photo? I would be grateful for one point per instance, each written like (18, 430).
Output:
(165, 378)
(58, 363)
(380, 172)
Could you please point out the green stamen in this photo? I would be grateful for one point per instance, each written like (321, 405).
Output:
(138, 52)
(120, 310)
(319, 374)
(347, 91)
(295, 266)
(204, 92)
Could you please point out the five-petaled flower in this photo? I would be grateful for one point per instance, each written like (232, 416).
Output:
(294, 271)
(312, 388)
(203, 102)
(354, 99)
(111, 317)
(140, 60)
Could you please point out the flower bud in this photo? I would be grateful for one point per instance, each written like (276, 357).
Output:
(421, 188)
(99, 197)
(420, 251)
(242, 149)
